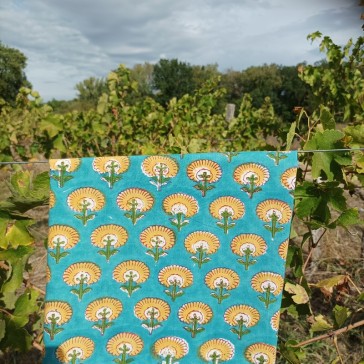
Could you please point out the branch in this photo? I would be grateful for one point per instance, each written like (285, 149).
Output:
(330, 334)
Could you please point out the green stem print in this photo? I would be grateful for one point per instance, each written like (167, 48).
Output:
(179, 221)
(112, 176)
(157, 250)
(133, 214)
(84, 217)
(130, 286)
(169, 359)
(251, 188)
(215, 357)
(57, 255)
(81, 290)
(53, 328)
(267, 297)
(103, 325)
(124, 351)
(62, 176)
(230, 155)
(174, 290)
(203, 184)
(152, 323)
(273, 227)
(73, 356)
(261, 360)
(194, 329)
(108, 251)
(248, 261)
(277, 157)
(225, 223)
(220, 292)
(160, 179)
(201, 257)
(240, 329)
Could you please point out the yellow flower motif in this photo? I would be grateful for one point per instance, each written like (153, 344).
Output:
(274, 321)
(63, 167)
(201, 243)
(191, 310)
(125, 342)
(157, 239)
(88, 272)
(78, 347)
(135, 201)
(88, 197)
(58, 311)
(48, 274)
(247, 314)
(69, 165)
(251, 176)
(170, 347)
(63, 236)
(209, 242)
(288, 178)
(255, 243)
(138, 271)
(106, 307)
(131, 273)
(180, 203)
(274, 212)
(159, 165)
(248, 246)
(262, 280)
(144, 307)
(171, 274)
(227, 209)
(283, 249)
(267, 208)
(106, 164)
(226, 275)
(52, 199)
(197, 169)
(260, 353)
(115, 234)
(217, 350)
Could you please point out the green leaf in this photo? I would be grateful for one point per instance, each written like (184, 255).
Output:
(18, 234)
(328, 284)
(299, 294)
(348, 218)
(320, 324)
(51, 125)
(289, 354)
(25, 305)
(326, 118)
(341, 314)
(290, 135)
(2, 328)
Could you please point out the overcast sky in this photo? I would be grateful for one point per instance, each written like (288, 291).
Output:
(67, 41)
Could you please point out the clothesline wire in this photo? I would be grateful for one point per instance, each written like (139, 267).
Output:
(283, 151)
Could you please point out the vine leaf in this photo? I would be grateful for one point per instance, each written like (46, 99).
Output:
(299, 294)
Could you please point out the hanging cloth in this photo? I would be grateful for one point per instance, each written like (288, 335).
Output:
(167, 259)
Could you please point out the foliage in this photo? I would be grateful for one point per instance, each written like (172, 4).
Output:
(126, 121)
(20, 303)
(12, 75)
(90, 90)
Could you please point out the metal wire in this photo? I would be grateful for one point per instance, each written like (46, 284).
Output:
(282, 151)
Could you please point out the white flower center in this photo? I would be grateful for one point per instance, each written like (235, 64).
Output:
(213, 353)
(161, 167)
(135, 275)
(244, 317)
(71, 353)
(167, 351)
(158, 239)
(103, 312)
(244, 177)
(247, 246)
(272, 212)
(64, 163)
(269, 284)
(257, 358)
(61, 240)
(82, 275)
(113, 162)
(179, 208)
(111, 238)
(200, 244)
(152, 311)
(53, 315)
(128, 347)
(175, 279)
(202, 171)
(91, 204)
(196, 314)
(218, 281)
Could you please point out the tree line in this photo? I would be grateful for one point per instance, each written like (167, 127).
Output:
(171, 78)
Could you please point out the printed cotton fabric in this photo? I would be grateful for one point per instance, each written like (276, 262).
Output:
(167, 259)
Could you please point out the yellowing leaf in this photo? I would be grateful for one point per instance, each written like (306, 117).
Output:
(300, 295)
(329, 283)
(320, 324)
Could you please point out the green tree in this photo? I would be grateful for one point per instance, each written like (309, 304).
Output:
(201, 74)
(172, 78)
(143, 75)
(90, 90)
(12, 75)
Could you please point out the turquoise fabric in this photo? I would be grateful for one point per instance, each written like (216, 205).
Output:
(167, 259)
